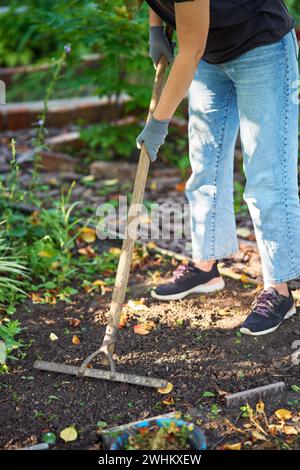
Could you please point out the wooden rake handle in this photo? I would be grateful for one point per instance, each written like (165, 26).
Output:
(123, 270)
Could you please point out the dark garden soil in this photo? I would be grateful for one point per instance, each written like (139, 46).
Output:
(194, 345)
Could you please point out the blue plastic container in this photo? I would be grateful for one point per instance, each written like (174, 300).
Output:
(197, 439)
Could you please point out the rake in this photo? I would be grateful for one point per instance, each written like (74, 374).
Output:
(108, 346)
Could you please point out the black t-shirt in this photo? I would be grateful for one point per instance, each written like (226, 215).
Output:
(236, 26)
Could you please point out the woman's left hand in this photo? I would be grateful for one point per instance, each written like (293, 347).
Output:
(153, 136)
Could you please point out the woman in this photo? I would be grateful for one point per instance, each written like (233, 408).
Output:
(237, 60)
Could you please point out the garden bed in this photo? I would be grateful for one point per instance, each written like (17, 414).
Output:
(194, 344)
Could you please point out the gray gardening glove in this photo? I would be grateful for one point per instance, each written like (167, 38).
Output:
(160, 45)
(153, 136)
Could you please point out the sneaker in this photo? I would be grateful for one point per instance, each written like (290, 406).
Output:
(269, 310)
(188, 279)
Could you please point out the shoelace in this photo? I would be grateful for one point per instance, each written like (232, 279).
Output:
(181, 271)
(265, 302)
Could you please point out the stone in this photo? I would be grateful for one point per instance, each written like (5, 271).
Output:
(121, 171)
(54, 161)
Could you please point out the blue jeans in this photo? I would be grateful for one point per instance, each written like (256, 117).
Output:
(256, 93)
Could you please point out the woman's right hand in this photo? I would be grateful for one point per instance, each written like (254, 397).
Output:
(159, 45)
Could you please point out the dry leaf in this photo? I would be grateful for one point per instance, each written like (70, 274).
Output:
(34, 218)
(87, 251)
(123, 320)
(244, 279)
(166, 390)
(236, 446)
(258, 436)
(143, 328)
(99, 283)
(260, 407)
(74, 322)
(75, 340)
(115, 251)
(243, 232)
(36, 298)
(45, 254)
(69, 434)
(289, 430)
(88, 235)
(180, 187)
(151, 246)
(169, 401)
(53, 337)
(274, 429)
(283, 414)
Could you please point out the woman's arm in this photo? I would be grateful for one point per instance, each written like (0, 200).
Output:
(192, 25)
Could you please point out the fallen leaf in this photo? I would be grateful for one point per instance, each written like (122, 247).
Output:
(88, 235)
(101, 424)
(247, 425)
(36, 298)
(49, 438)
(55, 265)
(153, 185)
(236, 446)
(143, 328)
(283, 414)
(53, 337)
(69, 434)
(260, 407)
(115, 251)
(258, 436)
(34, 218)
(151, 246)
(99, 283)
(224, 311)
(289, 430)
(75, 340)
(74, 322)
(274, 429)
(244, 279)
(169, 401)
(2, 352)
(166, 390)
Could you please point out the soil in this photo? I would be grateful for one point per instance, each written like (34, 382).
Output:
(194, 345)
